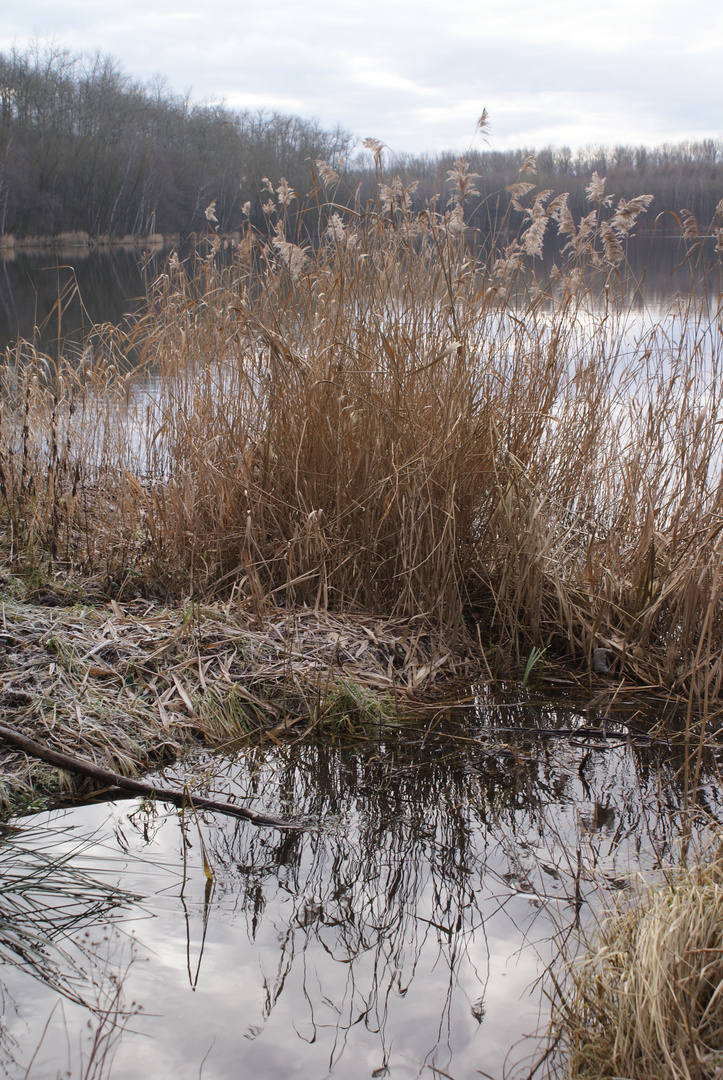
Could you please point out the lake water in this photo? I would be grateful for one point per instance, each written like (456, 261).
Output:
(105, 284)
(399, 933)
(95, 285)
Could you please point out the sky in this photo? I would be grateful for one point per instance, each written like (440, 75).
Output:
(418, 75)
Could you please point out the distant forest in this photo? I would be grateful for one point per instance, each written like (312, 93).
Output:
(85, 148)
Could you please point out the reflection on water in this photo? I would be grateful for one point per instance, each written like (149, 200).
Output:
(399, 933)
(104, 284)
(94, 286)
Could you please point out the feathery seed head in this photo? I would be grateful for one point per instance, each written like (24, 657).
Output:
(691, 229)
(396, 194)
(583, 236)
(462, 179)
(336, 230)
(612, 245)
(285, 192)
(483, 123)
(518, 191)
(293, 256)
(534, 235)
(376, 148)
(325, 171)
(627, 212)
(559, 211)
(454, 220)
(529, 165)
(595, 191)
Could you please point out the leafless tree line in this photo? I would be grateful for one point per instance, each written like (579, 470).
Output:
(85, 148)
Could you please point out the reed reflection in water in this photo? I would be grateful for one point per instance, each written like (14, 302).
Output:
(401, 932)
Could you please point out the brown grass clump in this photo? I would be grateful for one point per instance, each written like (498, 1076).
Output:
(389, 414)
(646, 1000)
(129, 686)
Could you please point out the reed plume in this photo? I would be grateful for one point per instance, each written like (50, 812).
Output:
(384, 411)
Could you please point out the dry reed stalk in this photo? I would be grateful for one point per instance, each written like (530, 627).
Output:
(645, 999)
(388, 416)
(130, 686)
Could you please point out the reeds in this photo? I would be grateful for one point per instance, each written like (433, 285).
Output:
(644, 999)
(390, 414)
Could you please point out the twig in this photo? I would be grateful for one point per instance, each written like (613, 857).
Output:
(138, 787)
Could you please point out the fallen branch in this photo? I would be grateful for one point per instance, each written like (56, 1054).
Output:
(137, 787)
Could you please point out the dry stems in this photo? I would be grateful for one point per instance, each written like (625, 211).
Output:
(131, 686)
(644, 1000)
(391, 416)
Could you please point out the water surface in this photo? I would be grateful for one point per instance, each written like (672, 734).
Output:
(54, 295)
(399, 933)
(104, 284)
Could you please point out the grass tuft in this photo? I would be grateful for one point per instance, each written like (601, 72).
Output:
(350, 708)
(646, 1000)
(383, 411)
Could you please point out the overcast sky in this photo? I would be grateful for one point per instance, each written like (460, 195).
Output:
(417, 75)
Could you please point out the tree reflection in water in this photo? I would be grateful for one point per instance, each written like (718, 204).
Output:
(383, 931)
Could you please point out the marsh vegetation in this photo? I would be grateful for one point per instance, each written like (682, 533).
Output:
(363, 451)
(396, 415)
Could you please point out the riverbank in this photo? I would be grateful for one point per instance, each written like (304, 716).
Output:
(133, 685)
(393, 421)
(78, 241)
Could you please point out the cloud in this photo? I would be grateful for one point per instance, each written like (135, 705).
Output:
(417, 76)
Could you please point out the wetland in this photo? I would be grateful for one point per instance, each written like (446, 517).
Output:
(407, 536)
(401, 931)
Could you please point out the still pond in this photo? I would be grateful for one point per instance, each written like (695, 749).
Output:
(401, 932)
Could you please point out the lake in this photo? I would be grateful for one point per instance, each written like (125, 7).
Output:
(105, 284)
(399, 933)
(95, 285)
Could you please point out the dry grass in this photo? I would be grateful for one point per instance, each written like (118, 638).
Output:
(392, 417)
(132, 686)
(646, 999)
